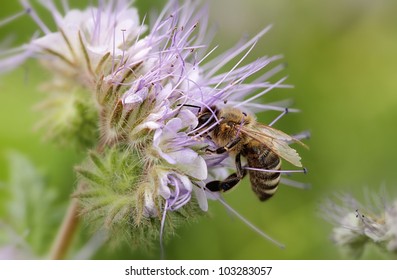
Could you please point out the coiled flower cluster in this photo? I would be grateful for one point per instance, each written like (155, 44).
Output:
(130, 93)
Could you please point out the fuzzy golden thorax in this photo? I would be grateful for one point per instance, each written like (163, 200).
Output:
(229, 128)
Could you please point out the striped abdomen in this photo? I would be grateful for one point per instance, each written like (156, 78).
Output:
(264, 184)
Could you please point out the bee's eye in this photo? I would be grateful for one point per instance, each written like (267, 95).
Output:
(203, 119)
(244, 113)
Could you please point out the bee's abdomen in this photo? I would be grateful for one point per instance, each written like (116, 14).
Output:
(263, 183)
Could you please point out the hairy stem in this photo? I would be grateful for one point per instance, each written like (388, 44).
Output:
(69, 224)
(66, 232)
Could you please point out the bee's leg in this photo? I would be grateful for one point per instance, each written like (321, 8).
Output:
(225, 185)
(225, 148)
(231, 180)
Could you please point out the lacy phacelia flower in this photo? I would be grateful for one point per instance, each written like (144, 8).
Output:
(356, 225)
(142, 89)
(85, 49)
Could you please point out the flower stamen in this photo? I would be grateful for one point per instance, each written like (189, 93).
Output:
(250, 225)
(34, 16)
(275, 85)
(294, 184)
(304, 170)
(11, 18)
(217, 64)
(286, 111)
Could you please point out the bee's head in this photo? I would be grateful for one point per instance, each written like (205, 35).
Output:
(207, 117)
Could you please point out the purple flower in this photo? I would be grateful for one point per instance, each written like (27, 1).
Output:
(146, 86)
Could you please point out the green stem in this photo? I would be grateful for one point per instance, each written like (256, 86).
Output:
(69, 224)
(66, 232)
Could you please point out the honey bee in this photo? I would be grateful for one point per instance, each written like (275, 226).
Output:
(239, 134)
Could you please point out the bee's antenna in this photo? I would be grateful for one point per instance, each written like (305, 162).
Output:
(286, 111)
(190, 105)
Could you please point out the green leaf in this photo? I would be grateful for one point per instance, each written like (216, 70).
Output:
(30, 209)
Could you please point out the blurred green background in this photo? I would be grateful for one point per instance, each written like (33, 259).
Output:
(342, 61)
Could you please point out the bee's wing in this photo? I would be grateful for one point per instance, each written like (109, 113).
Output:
(275, 140)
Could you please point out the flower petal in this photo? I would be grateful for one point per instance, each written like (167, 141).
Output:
(201, 197)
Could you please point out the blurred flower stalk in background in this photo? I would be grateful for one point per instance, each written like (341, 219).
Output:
(128, 94)
(357, 225)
